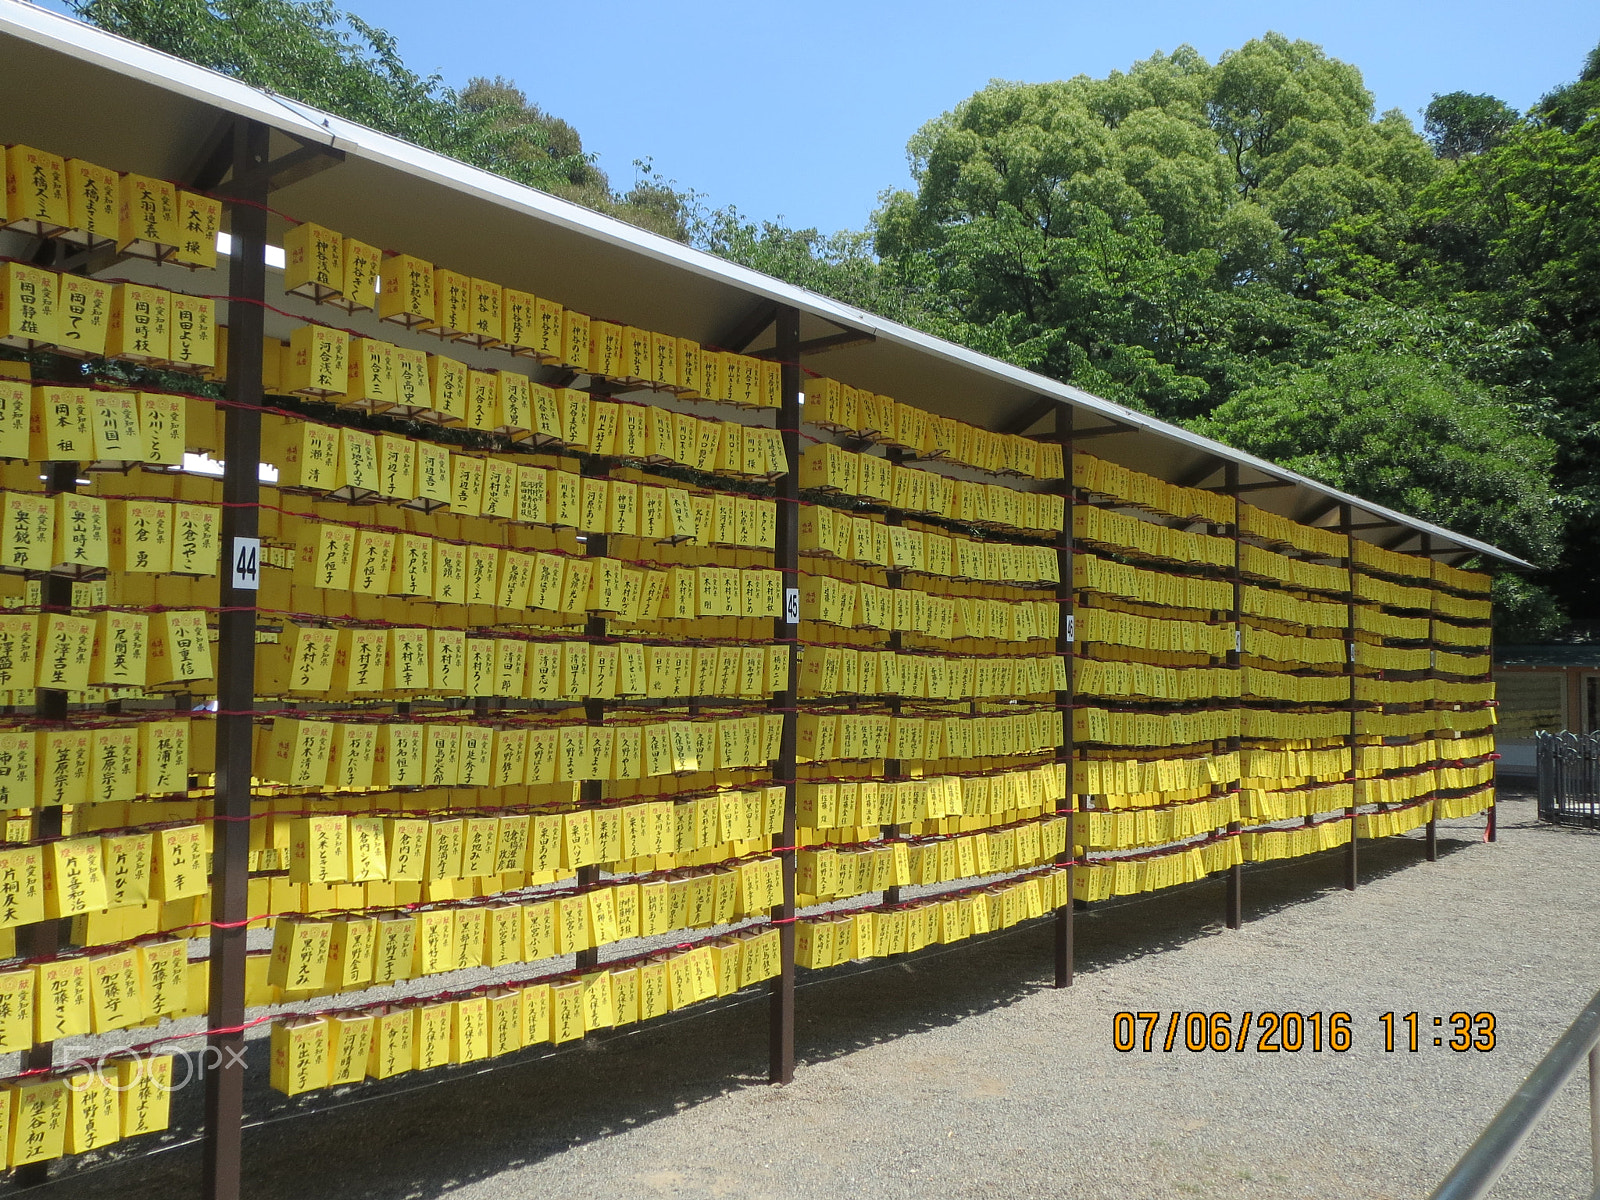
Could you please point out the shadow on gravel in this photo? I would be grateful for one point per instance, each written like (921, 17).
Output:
(409, 1140)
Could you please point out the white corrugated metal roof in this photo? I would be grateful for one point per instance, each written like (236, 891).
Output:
(64, 79)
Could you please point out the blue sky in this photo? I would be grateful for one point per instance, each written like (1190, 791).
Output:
(802, 110)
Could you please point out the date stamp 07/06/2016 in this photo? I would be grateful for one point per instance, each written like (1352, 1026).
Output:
(1290, 1032)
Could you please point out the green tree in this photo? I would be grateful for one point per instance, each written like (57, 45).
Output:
(839, 265)
(313, 51)
(1457, 124)
(1511, 239)
(1570, 105)
(1415, 435)
(1155, 236)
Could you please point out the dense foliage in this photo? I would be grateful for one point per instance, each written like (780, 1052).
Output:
(1244, 246)
(1249, 248)
(311, 50)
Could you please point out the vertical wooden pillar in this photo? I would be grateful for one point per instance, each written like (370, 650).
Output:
(1491, 827)
(1432, 836)
(236, 653)
(591, 791)
(1066, 638)
(893, 768)
(1346, 523)
(1233, 903)
(786, 629)
(43, 939)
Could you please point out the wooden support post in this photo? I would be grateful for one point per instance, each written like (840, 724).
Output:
(1351, 858)
(1233, 902)
(591, 791)
(1491, 830)
(236, 653)
(786, 629)
(893, 767)
(43, 939)
(1066, 641)
(1431, 839)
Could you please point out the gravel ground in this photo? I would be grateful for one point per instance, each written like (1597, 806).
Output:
(959, 1072)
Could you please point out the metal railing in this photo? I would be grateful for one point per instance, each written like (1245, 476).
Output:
(1569, 777)
(1491, 1154)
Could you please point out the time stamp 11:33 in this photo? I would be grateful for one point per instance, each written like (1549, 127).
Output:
(1275, 1032)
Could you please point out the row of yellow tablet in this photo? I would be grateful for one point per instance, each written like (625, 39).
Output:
(1093, 574)
(128, 650)
(47, 195)
(405, 663)
(338, 847)
(1150, 873)
(838, 872)
(92, 763)
(1281, 648)
(1002, 795)
(385, 1040)
(1325, 543)
(301, 752)
(1454, 807)
(868, 477)
(823, 737)
(1156, 729)
(330, 268)
(1094, 677)
(1290, 759)
(74, 533)
(830, 939)
(1153, 826)
(1099, 525)
(357, 464)
(69, 876)
(349, 952)
(1115, 776)
(1111, 479)
(1293, 799)
(81, 1110)
(77, 315)
(870, 541)
(1391, 822)
(1128, 629)
(1294, 689)
(844, 671)
(849, 605)
(858, 412)
(1297, 572)
(1281, 606)
(1269, 845)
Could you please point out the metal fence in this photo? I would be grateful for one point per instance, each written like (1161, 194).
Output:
(1569, 777)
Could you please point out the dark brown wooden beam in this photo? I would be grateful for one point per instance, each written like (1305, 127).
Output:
(1025, 420)
(1099, 431)
(756, 322)
(820, 345)
(1329, 507)
(1199, 475)
(212, 158)
(1266, 485)
(304, 161)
